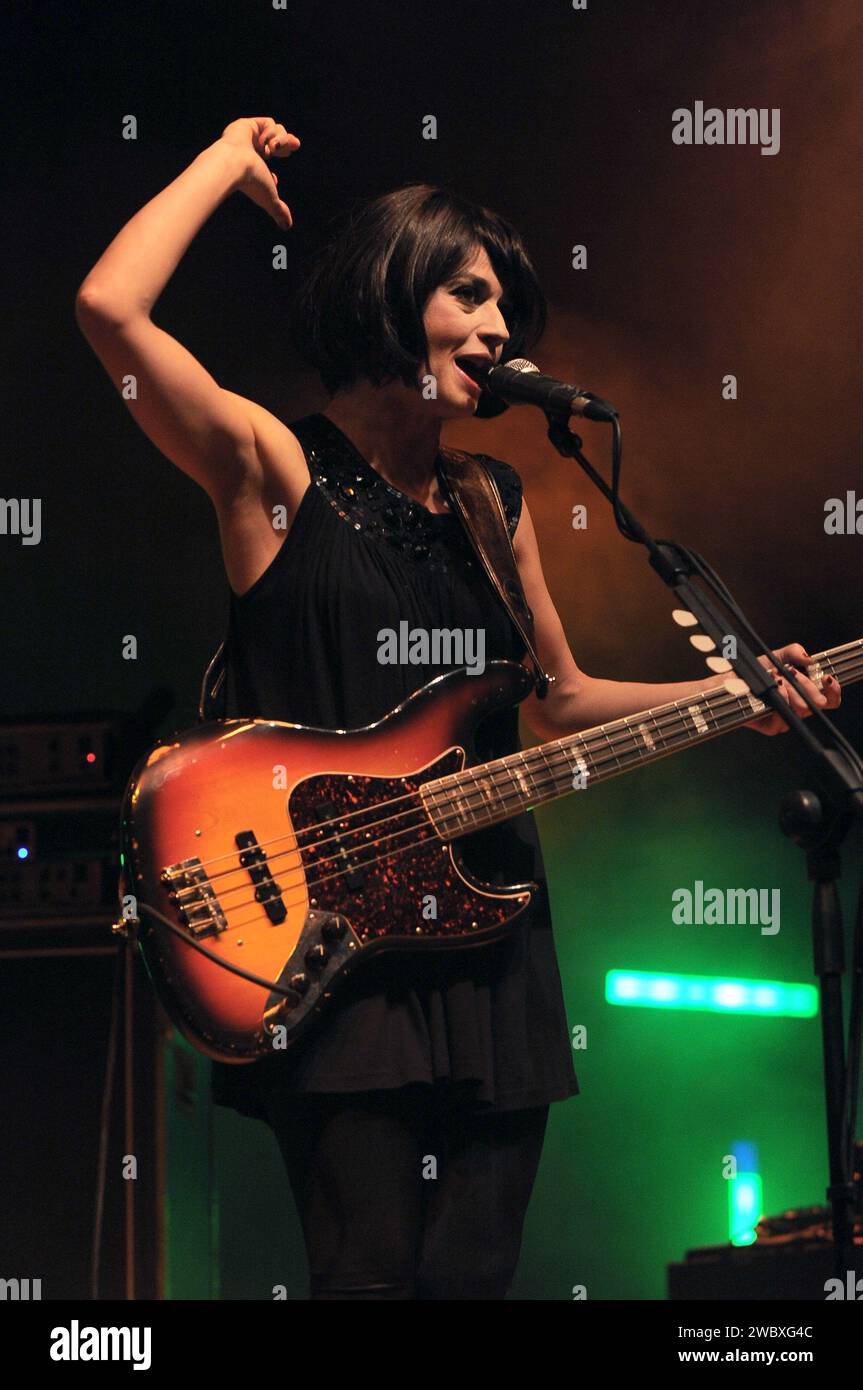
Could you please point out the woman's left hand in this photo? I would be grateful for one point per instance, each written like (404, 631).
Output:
(828, 697)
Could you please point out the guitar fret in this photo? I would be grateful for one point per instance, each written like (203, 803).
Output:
(647, 737)
(520, 780)
(581, 768)
(454, 804)
(699, 723)
(471, 811)
(610, 744)
(553, 770)
(527, 777)
(630, 746)
(538, 785)
(477, 796)
(485, 792)
(657, 730)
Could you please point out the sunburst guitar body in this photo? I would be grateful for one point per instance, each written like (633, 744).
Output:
(290, 853)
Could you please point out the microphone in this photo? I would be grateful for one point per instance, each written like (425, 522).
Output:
(522, 381)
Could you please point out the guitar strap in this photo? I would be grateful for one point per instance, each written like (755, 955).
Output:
(476, 499)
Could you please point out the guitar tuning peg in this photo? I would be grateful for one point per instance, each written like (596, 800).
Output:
(684, 618)
(719, 664)
(702, 643)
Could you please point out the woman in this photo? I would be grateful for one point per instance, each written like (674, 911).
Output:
(411, 1119)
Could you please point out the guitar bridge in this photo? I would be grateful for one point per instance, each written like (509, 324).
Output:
(194, 897)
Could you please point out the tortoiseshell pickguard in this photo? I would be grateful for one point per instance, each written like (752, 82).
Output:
(387, 895)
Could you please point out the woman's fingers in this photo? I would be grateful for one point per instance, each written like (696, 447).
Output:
(796, 701)
(274, 139)
(280, 211)
(283, 144)
(828, 697)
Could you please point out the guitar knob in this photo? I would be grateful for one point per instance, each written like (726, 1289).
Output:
(299, 983)
(316, 957)
(333, 928)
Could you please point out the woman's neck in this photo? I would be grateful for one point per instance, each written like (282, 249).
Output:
(395, 435)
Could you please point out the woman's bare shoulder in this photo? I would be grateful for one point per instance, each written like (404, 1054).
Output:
(279, 458)
(256, 514)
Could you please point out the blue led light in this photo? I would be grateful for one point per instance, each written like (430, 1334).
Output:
(23, 852)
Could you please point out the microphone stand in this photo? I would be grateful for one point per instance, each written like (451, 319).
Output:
(818, 823)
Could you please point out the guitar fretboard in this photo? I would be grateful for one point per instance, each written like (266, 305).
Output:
(494, 791)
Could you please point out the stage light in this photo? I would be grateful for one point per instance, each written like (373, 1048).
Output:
(745, 1207)
(710, 993)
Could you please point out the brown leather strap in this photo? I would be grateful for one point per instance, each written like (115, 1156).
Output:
(477, 501)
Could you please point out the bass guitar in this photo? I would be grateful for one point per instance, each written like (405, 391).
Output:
(262, 860)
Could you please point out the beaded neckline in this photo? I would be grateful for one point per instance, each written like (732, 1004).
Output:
(383, 514)
(371, 506)
(375, 481)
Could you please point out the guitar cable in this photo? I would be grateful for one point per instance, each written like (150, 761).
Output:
(211, 955)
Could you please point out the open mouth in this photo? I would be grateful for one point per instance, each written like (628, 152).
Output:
(468, 368)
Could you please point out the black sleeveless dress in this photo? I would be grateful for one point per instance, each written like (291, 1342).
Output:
(487, 1025)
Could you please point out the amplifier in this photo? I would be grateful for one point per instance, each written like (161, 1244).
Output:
(59, 858)
(78, 755)
(89, 751)
(61, 785)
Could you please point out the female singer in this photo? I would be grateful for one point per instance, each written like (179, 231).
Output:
(411, 1118)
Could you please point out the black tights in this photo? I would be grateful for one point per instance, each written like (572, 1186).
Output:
(377, 1223)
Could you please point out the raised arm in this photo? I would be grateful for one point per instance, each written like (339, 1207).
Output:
(218, 438)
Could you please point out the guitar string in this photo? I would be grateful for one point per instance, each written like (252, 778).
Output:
(393, 853)
(427, 824)
(673, 713)
(559, 755)
(550, 765)
(631, 739)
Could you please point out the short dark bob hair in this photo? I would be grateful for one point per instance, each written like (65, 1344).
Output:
(359, 312)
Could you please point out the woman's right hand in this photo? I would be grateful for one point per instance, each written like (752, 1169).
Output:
(260, 137)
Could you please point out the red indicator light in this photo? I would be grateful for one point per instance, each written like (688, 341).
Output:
(91, 757)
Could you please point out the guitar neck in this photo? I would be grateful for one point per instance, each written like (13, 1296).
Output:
(495, 791)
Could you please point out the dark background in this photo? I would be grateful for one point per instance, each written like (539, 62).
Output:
(702, 261)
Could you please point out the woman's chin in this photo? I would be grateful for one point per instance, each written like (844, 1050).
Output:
(461, 409)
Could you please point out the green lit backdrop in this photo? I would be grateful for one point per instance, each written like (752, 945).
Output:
(632, 1172)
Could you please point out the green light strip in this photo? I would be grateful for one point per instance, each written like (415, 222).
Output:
(714, 994)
